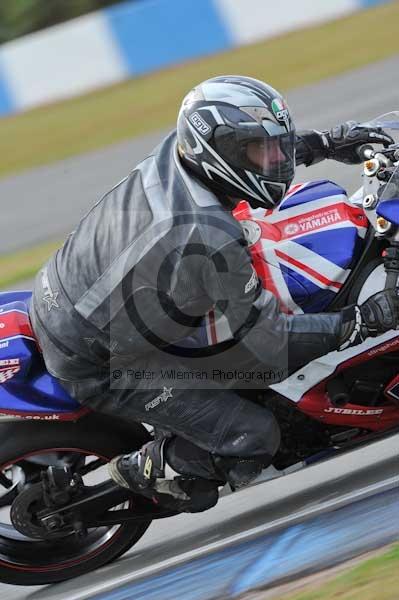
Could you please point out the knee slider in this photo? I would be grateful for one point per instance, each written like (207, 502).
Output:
(203, 493)
(239, 472)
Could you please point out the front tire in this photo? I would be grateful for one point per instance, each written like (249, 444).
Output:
(24, 448)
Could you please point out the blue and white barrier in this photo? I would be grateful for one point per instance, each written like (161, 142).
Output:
(137, 37)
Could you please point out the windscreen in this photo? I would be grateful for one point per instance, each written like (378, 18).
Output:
(389, 122)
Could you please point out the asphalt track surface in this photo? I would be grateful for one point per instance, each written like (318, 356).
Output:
(256, 507)
(47, 202)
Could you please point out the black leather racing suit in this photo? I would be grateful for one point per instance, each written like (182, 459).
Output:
(113, 306)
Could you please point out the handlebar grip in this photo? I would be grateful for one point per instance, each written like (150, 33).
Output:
(365, 151)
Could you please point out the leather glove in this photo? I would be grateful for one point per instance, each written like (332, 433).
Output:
(342, 141)
(380, 313)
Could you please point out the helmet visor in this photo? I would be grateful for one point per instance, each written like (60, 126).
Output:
(254, 149)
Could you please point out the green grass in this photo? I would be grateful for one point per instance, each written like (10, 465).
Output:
(24, 263)
(148, 103)
(373, 579)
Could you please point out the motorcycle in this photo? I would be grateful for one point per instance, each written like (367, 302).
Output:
(60, 516)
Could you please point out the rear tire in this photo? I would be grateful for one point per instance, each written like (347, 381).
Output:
(93, 435)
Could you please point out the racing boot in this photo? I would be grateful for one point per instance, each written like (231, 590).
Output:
(143, 472)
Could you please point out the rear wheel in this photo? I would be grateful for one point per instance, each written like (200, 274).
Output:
(26, 450)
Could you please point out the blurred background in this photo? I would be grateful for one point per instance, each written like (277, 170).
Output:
(20, 18)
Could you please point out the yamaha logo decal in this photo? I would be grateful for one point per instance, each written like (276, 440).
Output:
(291, 229)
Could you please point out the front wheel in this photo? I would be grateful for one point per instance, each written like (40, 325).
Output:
(29, 448)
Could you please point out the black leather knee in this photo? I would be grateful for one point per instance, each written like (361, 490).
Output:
(256, 434)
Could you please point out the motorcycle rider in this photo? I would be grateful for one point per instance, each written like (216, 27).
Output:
(112, 308)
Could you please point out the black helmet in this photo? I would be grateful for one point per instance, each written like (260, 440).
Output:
(236, 134)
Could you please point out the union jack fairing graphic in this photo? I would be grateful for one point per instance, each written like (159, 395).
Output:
(303, 250)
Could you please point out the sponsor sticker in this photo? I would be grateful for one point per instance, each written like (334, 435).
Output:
(291, 229)
(5, 416)
(313, 222)
(252, 282)
(50, 297)
(8, 368)
(147, 468)
(199, 123)
(163, 397)
(349, 411)
(281, 112)
(384, 348)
